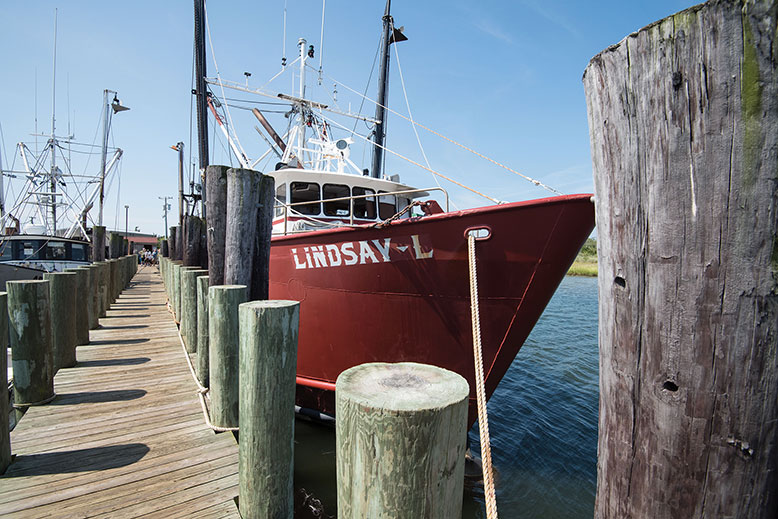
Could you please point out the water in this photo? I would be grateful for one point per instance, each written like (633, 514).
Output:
(542, 420)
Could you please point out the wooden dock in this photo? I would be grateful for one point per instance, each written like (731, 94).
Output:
(125, 436)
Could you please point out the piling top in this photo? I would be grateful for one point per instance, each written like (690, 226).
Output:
(227, 287)
(403, 386)
(270, 303)
(25, 281)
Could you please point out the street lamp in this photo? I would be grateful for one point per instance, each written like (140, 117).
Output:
(115, 107)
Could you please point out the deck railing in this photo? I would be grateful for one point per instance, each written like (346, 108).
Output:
(287, 207)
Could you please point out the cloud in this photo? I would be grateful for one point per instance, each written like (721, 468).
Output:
(490, 28)
(552, 16)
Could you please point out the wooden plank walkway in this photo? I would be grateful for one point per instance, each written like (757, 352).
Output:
(125, 436)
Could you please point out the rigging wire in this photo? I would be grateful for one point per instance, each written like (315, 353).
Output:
(321, 40)
(494, 200)
(191, 102)
(408, 106)
(367, 85)
(503, 166)
(219, 78)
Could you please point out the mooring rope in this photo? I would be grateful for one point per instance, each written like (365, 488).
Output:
(31, 404)
(201, 390)
(483, 419)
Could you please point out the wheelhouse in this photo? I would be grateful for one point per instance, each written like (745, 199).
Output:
(307, 200)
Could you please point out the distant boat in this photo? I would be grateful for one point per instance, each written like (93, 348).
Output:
(45, 229)
(381, 269)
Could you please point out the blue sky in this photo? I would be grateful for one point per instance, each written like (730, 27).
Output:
(503, 78)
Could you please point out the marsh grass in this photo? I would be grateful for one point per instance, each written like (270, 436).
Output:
(585, 263)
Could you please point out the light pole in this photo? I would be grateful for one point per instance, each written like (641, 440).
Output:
(115, 107)
(165, 207)
(126, 226)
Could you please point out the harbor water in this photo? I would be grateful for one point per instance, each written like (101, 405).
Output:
(542, 420)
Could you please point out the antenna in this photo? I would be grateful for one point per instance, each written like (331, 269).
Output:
(53, 140)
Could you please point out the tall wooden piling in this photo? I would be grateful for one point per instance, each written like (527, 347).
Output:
(682, 119)
(189, 307)
(202, 330)
(172, 241)
(116, 284)
(104, 286)
(240, 235)
(268, 368)
(81, 312)
(193, 231)
(260, 276)
(98, 243)
(5, 435)
(163, 249)
(32, 354)
(63, 291)
(223, 341)
(92, 298)
(216, 205)
(400, 434)
(116, 248)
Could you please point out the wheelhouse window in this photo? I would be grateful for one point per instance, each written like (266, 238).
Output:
(280, 199)
(387, 205)
(364, 207)
(306, 192)
(29, 249)
(78, 251)
(55, 250)
(339, 207)
(6, 250)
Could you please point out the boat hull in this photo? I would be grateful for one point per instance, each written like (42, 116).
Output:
(401, 293)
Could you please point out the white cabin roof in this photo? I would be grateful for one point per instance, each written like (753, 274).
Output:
(287, 175)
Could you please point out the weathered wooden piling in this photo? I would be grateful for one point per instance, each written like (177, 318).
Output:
(163, 249)
(260, 276)
(174, 281)
(177, 294)
(193, 231)
(32, 354)
(63, 291)
(104, 286)
(400, 434)
(5, 435)
(116, 284)
(92, 297)
(189, 307)
(81, 312)
(268, 368)
(240, 235)
(216, 205)
(223, 341)
(172, 241)
(115, 246)
(98, 243)
(682, 119)
(202, 330)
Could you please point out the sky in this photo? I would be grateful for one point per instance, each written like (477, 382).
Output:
(501, 78)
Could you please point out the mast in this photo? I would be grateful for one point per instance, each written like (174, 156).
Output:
(52, 139)
(301, 132)
(106, 122)
(380, 113)
(200, 91)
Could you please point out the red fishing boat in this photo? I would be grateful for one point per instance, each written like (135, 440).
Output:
(381, 269)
